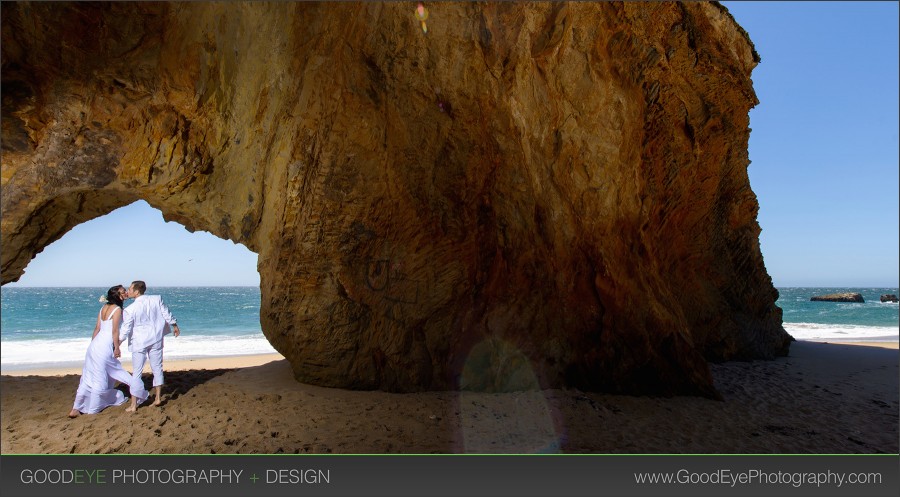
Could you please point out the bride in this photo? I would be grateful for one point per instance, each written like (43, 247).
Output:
(101, 364)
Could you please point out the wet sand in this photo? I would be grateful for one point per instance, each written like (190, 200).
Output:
(824, 398)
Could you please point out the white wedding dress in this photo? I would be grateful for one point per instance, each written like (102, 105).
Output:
(101, 371)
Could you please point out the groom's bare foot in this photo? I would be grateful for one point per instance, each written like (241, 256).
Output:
(74, 413)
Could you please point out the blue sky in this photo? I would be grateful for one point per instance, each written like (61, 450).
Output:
(168, 255)
(824, 151)
(824, 148)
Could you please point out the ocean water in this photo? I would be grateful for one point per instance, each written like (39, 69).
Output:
(51, 327)
(838, 321)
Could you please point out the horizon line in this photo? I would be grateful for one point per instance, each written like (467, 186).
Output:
(896, 285)
(148, 286)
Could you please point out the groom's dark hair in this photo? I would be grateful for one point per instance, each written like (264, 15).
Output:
(140, 286)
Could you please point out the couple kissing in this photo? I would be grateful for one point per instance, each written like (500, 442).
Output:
(144, 323)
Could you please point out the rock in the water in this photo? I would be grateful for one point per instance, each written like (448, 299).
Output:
(839, 297)
(889, 298)
(543, 193)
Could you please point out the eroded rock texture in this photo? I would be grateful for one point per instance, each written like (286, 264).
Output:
(551, 192)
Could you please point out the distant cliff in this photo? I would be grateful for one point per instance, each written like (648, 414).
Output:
(549, 191)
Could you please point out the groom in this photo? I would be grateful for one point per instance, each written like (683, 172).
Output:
(145, 322)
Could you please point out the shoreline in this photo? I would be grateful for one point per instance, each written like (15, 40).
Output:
(882, 345)
(251, 360)
(198, 363)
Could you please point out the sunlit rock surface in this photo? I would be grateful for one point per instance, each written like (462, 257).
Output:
(839, 297)
(549, 194)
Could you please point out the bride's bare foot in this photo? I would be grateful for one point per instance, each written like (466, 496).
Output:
(74, 413)
(131, 409)
(157, 402)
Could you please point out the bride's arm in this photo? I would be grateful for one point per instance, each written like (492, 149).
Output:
(97, 326)
(117, 320)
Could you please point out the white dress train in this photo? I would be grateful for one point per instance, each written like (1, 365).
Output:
(101, 371)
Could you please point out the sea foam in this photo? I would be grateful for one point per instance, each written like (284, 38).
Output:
(842, 332)
(32, 354)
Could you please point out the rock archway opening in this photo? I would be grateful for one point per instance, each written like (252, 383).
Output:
(210, 284)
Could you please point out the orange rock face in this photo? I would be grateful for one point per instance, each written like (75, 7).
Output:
(528, 194)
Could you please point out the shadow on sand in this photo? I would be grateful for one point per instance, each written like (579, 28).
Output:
(178, 383)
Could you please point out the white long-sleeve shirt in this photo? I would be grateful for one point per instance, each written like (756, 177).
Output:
(145, 322)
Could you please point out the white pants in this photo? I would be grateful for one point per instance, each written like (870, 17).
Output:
(155, 352)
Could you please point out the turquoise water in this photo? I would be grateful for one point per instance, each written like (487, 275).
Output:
(869, 321)
(52, 326)
(43, 327)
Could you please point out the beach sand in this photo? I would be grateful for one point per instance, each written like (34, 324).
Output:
(824, 398)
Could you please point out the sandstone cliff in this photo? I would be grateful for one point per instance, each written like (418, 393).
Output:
(549, 192)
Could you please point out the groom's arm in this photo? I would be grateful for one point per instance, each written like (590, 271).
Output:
(167, 315)
(127, 325)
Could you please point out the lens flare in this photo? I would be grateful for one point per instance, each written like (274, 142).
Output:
(422, 16)
(520, 419)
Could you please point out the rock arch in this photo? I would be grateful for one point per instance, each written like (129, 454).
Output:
(567, 180)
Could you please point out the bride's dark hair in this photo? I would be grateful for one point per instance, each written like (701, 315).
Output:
(112, 296)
